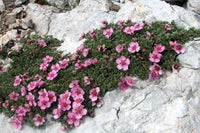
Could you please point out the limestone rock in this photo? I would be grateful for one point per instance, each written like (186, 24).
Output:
(194, 5)
(2, 6)
(19, 2)
(10, 18)
(62, 4)
(70, 25)
(191, 58)
(10, 35)
(41, 16)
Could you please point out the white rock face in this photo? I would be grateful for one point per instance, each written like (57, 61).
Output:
(2, 6)
(194, 5)
(8, 36)
(70, 25)
(168, 105)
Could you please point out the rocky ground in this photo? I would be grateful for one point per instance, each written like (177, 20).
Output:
(168, 105)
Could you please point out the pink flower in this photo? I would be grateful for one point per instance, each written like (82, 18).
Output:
(129, 81)
(1, 48)
(121, 23)
(101, 48)
(17, 124)
(38, 120)
(77, 91)
(87, 80)
(103, 26)
(20, 118)
(47, 59)
(5, 104)
(94, 61)
(23, 90)
(66, 95)
(87, 63)
(98, 102)
(42, 43)
(79, 111)
(167, 27)
(173, 43)
(123, 85)
(94, 93)
(78, 99)
(52, 75)
(52, 96)
(44, 104)
(138, 27)
(27, 107)
(159, 48)
(64, 63)
(21, 111)
(74, 56)
(78, 65)
(82, 36)
(104, 22)
(57, 113)
(122, 63)
(80, 48)
(1, 68)
(85, 52)
(72, 119)
(17, 81)
(74, 84)
(156, 68)
(13, 96)
(25, 77)
(44, 66)
(13, 108)
(134, 47)
(40, 83)
(93, 34)
(31, 99)
(155, 57)
(32, 85)
(129, 30)
(108, 32)
(43, 94)
(175, 68)
(55, 67)
(148, 35)
(64, 104)
(153, 75)
(119, 48)
(179, 49)
(63, 128)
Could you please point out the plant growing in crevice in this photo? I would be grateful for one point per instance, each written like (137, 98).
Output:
(43, 81)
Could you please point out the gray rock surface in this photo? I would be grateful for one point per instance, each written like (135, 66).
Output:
(62, 4)
(194, 5)
(10, 35)
(70, 25)
(2, 6)
(168, 105)
(19, 2)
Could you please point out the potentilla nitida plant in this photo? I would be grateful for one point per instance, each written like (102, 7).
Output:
(43, 81)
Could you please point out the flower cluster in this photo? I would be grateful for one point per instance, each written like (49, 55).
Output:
(155, 57)
(71, 86)
(46, 98)
(71, 100)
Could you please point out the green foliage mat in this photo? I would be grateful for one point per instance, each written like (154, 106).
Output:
(105, 73)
